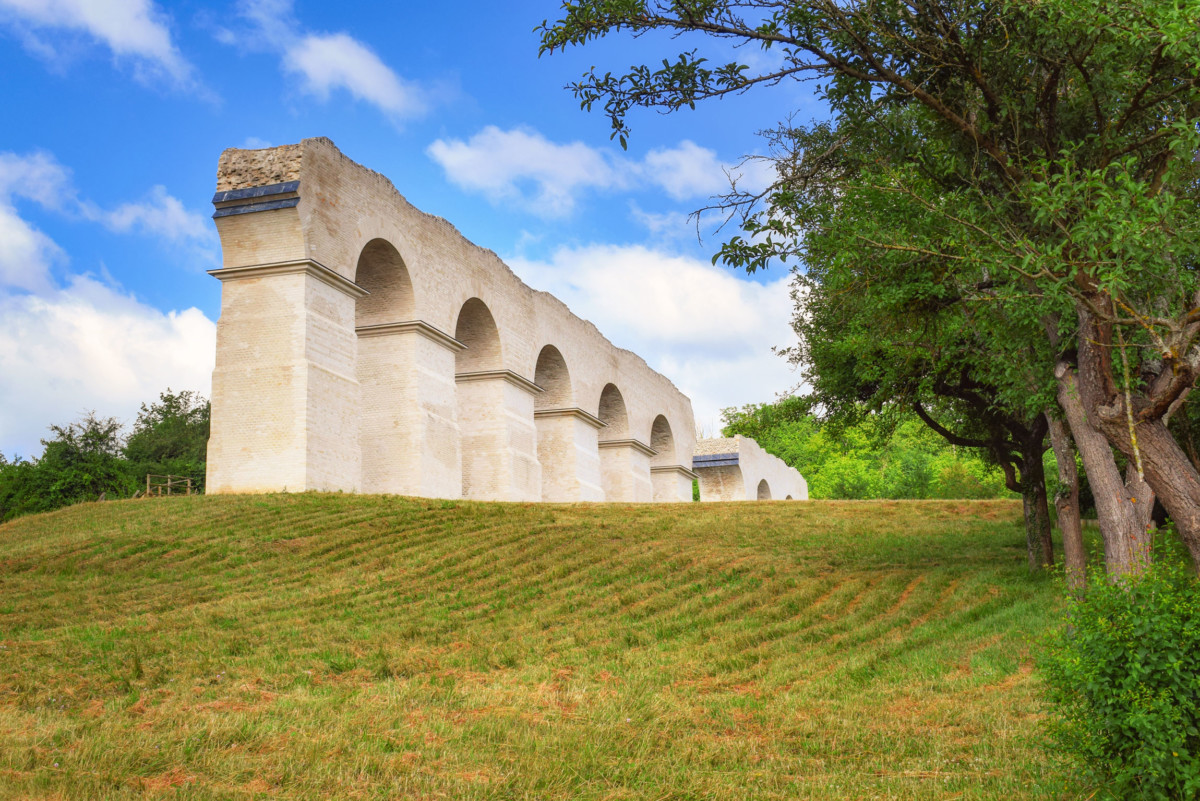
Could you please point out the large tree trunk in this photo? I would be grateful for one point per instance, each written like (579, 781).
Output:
(1167, 468)
(1141, 495)
(1168, 471)
(1066, 503)
(1120, 522)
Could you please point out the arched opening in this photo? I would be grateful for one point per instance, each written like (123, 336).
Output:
(788, 498)
(662, 442)
(381, 271)
(612, 414)
(764, 491)
(476, 328)
(552, 376)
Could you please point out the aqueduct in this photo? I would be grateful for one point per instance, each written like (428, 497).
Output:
(366, 346)
(738, 469)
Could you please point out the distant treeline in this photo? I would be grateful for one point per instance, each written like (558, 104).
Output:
(94, 457)
(876, 457)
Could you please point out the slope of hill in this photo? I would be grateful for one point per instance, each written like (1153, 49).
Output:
(329, 646)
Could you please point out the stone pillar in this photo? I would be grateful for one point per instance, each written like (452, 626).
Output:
(409, 432)
(672, 483)
(625, 470)
(499, 440)
(285, 398)
(568, 453)
(722, 483)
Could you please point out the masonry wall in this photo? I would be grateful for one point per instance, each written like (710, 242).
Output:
(340, 366)
(738, 469)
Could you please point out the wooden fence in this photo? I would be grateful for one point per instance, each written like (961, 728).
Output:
(158, 486)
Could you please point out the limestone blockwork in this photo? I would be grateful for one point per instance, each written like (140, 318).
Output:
(365, 346)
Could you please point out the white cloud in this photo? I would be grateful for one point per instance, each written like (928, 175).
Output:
(37, 177)
(686, 171)
(544, 177)
(666, 226)
(338, 61)
(522, 165)
(27, 254)
(326, 62)
(702, 326)
(136, 31)
(90, 347)
(159, 215)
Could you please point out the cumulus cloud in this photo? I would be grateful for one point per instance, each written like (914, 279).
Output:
(522, 165)
(705, 328)
(545, 177)
(326, 62)
(91, 347)
(160, 214)
(135, 31)
(686, 171)
(40, 178)
(85, 345)
(338, 61)
(27, 254)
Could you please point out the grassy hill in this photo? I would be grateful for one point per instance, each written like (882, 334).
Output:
(334, 646)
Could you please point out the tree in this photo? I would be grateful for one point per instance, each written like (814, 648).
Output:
(880, 455)
(82, 462)
(170, 436)
(1040, 157)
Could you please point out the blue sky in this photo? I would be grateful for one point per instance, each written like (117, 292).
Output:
(115, 112)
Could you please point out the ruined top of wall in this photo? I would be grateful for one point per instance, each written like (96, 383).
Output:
(705, 447)
(241, 169)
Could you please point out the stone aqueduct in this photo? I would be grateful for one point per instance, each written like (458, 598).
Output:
(366, 346)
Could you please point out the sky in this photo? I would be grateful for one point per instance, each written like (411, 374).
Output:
(115, 112)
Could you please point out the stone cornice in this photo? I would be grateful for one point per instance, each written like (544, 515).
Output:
(703, 460)
(255, 192)
(411, 327)
(576, 412)
(675, 468)
(505, 375)
(307, 266)
(256, 198)
(640, 447)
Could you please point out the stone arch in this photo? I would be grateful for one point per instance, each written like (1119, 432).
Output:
(662, 441)
(476, 329)
(764, 490)
(382, 272)
(552, 375)
(612, 413)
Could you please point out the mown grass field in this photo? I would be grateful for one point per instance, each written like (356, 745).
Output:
(328, 646)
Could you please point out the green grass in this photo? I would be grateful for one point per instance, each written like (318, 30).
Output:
(329, 646)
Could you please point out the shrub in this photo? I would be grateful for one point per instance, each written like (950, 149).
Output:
(1124, 675)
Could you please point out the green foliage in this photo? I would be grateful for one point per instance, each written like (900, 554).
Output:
(872, 458)
(170, 437)
(1124, 674)
(90, 459)
(81, 462)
